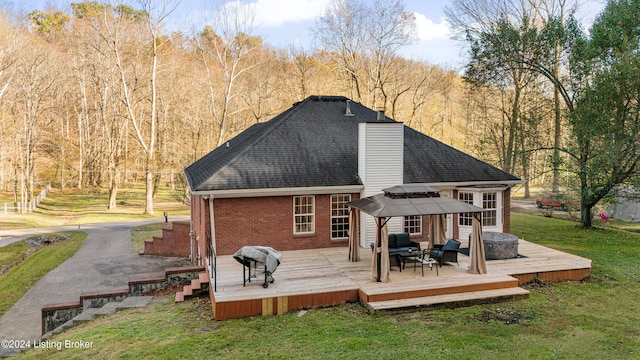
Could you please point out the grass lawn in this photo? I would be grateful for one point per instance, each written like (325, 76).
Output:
(19, 279)
(593, 319)
(88, 206)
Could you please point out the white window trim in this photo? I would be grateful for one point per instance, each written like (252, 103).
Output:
(405, 229)
(473, 202)
(477, 201)
(338, 217)
(495, 209)
(312, 214)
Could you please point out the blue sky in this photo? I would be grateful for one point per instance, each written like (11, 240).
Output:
(285, 22)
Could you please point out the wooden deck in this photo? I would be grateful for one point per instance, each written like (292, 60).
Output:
(324, 277)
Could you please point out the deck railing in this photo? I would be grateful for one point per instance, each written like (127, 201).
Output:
(211, 258)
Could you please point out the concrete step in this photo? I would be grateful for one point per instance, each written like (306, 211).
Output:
(108, 308)
(473, 297)
(133, 302)
(85, 316)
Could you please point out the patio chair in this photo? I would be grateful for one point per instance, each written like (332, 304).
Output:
(446, 253)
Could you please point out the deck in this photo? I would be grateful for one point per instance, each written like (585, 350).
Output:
(324, 277)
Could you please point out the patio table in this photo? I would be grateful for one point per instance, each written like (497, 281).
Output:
(416, 258)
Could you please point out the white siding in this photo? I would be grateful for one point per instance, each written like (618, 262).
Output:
(380, 165)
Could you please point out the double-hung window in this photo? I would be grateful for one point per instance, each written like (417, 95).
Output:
(304, 214)
(490, 206)
(413, 224)
(340, 216)
(465, 219)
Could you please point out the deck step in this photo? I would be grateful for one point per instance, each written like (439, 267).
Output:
(475, 297)
(202, 282)
(204, 278)
(195, 284)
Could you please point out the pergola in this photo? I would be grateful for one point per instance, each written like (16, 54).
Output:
(407, 200)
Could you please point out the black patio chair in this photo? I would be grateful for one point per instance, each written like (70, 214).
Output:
(447, 252)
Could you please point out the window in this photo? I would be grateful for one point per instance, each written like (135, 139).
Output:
(413, 224)
(465, 219)
(340, 216)
(490, 206)
(303, 215)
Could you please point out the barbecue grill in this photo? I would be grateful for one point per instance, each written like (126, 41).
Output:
(252, 257)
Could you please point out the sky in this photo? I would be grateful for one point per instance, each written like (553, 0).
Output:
(283, 23)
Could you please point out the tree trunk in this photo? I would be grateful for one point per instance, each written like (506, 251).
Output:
(113, 193)
(556, 136)
(585, 215)
(148, 209)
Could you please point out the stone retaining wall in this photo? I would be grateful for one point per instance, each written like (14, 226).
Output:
(54, 315)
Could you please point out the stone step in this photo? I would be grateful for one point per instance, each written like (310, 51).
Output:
(475, 297)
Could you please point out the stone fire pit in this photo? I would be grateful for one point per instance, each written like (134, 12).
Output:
(499, 246)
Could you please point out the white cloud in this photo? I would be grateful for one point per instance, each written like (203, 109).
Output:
(428, 30)
(273, 13)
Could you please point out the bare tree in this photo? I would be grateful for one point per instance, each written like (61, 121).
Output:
(225, 46)
(31, 115)
(142, 115)
(363, 40)
(9, 45)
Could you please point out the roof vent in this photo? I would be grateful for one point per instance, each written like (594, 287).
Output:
(381, 116)
(348, 111)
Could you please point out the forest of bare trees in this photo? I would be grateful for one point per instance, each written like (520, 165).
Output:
(105, 96)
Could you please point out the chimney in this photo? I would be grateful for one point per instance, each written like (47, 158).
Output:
(380, 165)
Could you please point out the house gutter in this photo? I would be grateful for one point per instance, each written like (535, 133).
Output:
(455, 185)
(316, 190)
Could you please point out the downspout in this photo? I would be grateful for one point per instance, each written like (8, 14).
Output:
(191, 257)
(214, 255)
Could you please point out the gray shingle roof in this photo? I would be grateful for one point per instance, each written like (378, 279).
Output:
(314, 144)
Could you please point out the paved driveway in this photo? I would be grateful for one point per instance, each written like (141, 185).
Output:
(104, 262)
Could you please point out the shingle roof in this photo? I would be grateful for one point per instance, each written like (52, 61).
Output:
(314, 144)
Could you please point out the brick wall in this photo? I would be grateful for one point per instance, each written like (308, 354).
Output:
(268, 221)
(173, 242)
(506, 226)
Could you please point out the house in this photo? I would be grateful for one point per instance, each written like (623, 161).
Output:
(285, 183)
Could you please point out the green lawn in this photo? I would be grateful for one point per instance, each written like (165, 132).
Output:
(90, 206)
(19, 279)
(593, 319)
